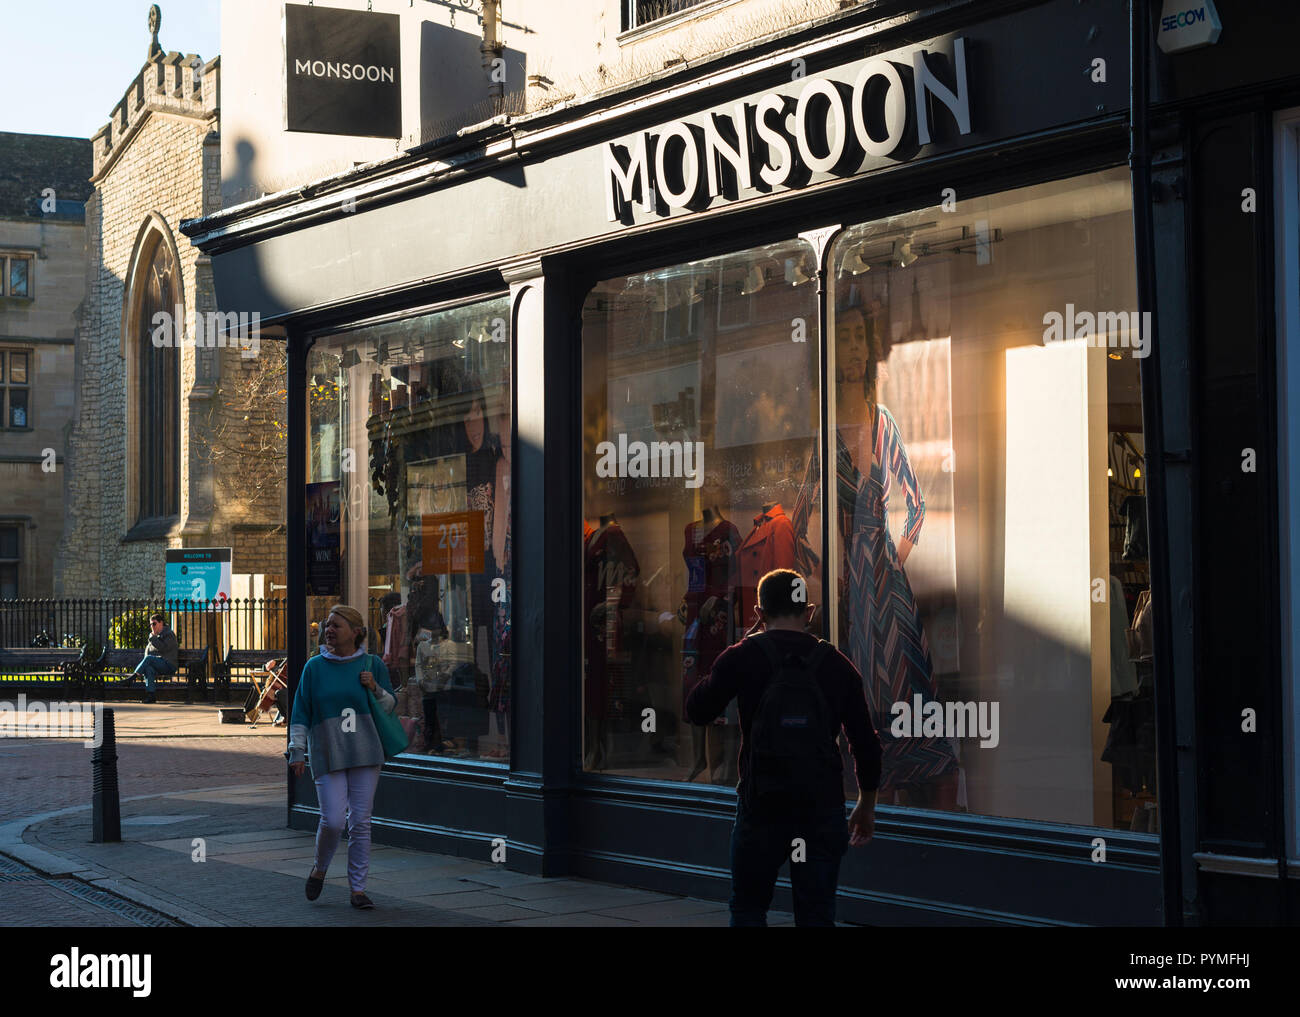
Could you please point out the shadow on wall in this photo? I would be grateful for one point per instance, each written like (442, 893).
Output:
(241, 187)
(454, 83)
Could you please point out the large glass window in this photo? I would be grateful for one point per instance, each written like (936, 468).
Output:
(702, 416)
(988, 567)
(409, 509)
(991, 555)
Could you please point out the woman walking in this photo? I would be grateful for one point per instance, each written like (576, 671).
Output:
(331, 716)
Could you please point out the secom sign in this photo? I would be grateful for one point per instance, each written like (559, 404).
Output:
(828, 124)
(342, 72)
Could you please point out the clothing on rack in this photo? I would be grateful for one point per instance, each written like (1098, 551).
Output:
(397, 645)
(712, 566)
(1123, 676)
(1133, 510)
(610, 576)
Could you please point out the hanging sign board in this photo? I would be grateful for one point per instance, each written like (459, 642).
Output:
(342, 71)
(201, 574)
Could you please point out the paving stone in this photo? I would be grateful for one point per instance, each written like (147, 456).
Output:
(466, 899)
(599, 899)
(499, 912)
(667, 909)
(576, 921)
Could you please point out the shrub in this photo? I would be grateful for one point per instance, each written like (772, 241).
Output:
(130, 629)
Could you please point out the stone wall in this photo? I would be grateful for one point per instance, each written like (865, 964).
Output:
(157, 163)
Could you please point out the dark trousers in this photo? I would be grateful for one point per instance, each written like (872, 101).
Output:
(759, 847)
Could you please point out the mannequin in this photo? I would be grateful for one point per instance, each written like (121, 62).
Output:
(885, 637)
(709, 550)
(610, 579)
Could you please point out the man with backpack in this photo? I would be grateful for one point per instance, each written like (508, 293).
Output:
(794, 693)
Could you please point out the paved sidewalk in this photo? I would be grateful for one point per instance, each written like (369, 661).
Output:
(252, 872)
(253, 868)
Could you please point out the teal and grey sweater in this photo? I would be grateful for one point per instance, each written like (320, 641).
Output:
(320, 723)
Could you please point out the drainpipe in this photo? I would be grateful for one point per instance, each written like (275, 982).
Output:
(491, 48)
(1167, 757)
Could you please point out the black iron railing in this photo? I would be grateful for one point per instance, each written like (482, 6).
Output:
(123, 623)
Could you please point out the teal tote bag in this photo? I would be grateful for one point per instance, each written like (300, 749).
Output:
(391, 734)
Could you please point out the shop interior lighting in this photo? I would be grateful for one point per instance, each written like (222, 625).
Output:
(903, 253)
(754, 281)
(381, 352)
(794, 273)
(350, 359)
(856, 264)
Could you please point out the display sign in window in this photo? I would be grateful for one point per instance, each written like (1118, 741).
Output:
(452, 542)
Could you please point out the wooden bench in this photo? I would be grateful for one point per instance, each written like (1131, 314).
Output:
(254, 660)
(59, 662)
(192, 665)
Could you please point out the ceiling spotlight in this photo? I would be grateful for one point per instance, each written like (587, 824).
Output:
(794, 273)
(381, 352)
(1115, 356)
(856, 264)
(903, 253)
(697, 291)
(350, 359)
(460, 343)
(754, 281)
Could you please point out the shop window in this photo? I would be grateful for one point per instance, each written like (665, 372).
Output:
(9, 561)
(15, 389)
(988, 567)
(409, 514)
(698, 438)
(16, 275)
(990, 486)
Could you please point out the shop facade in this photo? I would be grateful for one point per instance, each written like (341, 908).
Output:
(871, 301)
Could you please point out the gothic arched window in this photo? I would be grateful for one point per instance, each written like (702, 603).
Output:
(158, 391)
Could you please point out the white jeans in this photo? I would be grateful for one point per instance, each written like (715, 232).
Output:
(353, 791)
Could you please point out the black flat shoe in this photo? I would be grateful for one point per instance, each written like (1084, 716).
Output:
(360, 900)
(314, 885)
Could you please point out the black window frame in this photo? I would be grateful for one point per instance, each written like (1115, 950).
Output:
(16, 562)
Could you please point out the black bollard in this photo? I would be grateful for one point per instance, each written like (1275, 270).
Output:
(107, 822)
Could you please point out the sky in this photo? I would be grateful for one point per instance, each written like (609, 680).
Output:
(75, 58)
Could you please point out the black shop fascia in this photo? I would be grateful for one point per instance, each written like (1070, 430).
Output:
(841, 123)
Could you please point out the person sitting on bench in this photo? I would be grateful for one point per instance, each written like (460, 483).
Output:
(161, 656)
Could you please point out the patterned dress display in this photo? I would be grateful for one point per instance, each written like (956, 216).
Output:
(882, 626)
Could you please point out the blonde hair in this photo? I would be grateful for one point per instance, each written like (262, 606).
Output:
(353, 617)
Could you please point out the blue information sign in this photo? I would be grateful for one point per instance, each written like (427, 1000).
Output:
(200, 574)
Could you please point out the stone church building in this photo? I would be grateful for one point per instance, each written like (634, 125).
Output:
(174, 439)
